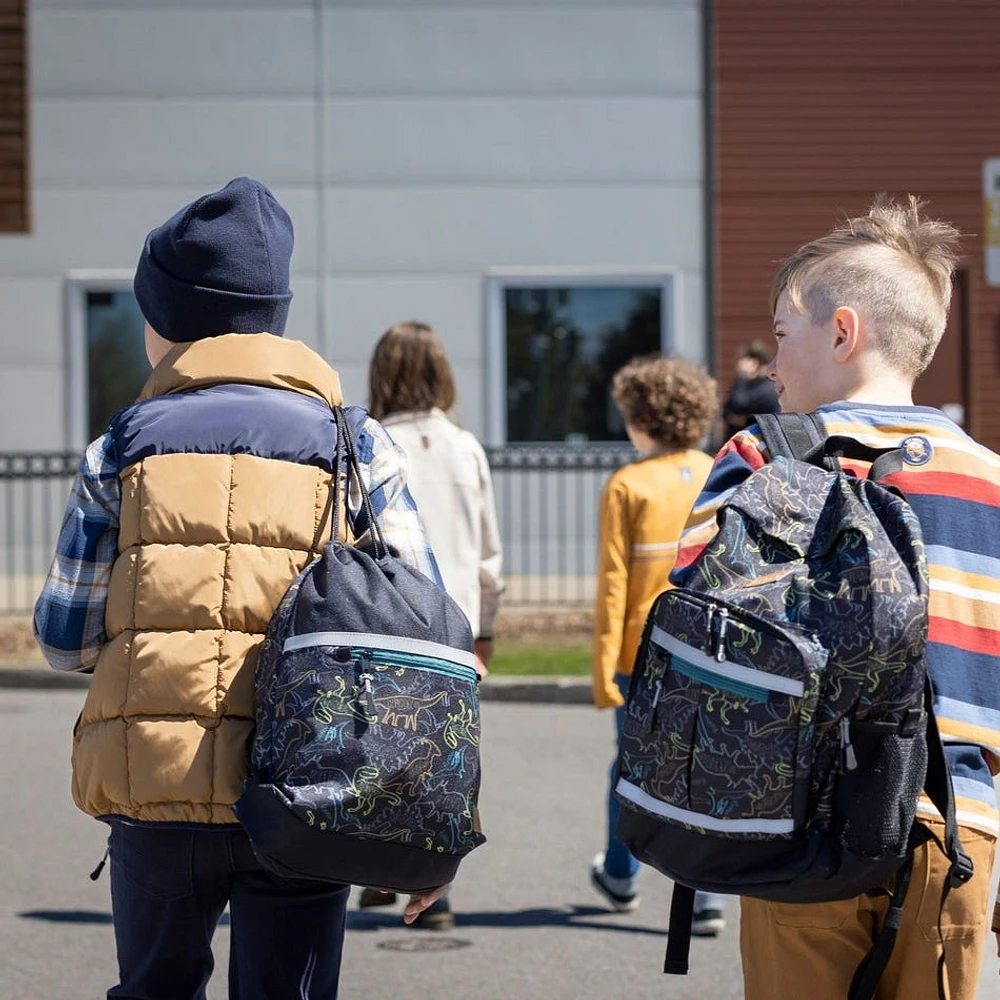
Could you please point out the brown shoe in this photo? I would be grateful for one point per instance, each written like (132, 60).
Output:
(437, 917)
(375, 897)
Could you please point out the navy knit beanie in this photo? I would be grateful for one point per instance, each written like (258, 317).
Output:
(220, 265)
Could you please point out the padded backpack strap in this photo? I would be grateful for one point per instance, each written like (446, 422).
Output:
(797, 436)
(802, 436)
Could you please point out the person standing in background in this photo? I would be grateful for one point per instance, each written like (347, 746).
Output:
(752, 391)
(668, 406)
(412, 391)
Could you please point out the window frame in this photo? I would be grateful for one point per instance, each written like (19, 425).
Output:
(498, 280)
(77, 284)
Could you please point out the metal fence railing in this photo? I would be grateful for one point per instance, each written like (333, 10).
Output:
(33, 492)
(547, 504)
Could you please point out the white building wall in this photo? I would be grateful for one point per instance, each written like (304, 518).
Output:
(416, 145)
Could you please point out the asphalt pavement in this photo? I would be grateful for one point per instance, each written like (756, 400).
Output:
(529, 925)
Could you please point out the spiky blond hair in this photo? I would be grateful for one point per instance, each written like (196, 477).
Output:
(894, 265)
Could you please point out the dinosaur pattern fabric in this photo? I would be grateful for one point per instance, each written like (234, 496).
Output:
(364, 766)
(384, 750)
(777, 689)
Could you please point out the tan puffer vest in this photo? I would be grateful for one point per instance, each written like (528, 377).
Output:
(207, 546)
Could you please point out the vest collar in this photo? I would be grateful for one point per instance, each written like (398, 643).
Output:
(247, 359)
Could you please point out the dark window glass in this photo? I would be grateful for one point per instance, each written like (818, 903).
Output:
(563, 347)
(117, 367)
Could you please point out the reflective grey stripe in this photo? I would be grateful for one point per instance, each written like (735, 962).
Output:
(635, 794)
(392, 643)
(745, 675)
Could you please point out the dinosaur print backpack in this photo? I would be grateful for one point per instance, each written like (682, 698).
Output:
(364, 766)
(779, 727)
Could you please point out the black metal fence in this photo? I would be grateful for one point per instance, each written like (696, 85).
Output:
(547, 504)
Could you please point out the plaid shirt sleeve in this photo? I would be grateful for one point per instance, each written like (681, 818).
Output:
(383, 467)
(69, 612)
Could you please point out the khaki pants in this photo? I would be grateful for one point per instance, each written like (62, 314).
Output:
(791, 951)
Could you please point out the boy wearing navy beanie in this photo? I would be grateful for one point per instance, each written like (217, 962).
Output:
(187, 521)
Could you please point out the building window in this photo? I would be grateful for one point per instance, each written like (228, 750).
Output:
(14, 214)
(108, 364)
(556, 340)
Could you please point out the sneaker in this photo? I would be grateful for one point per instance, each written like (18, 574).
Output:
(375, 897)
(707, 923)
(619, 892)
(437, 917)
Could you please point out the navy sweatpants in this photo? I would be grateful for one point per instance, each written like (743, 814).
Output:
(169, 887)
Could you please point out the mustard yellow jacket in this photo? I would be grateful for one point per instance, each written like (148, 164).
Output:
(644, 507)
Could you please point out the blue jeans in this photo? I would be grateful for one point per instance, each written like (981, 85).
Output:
(169, 887)
(618, 860)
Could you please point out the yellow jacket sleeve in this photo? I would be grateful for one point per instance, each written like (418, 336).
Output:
(612, 592)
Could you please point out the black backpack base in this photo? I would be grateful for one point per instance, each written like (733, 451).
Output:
(812, 873)
(296, 850)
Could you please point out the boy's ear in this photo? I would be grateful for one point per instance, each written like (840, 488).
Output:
(846, 333)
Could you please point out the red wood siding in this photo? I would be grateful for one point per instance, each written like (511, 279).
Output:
(818, 106)
(14, 178)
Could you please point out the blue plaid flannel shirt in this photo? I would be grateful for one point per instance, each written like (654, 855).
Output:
(69, 612)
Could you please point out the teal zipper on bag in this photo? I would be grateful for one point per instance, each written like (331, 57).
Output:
(414, 662)
(717, 681)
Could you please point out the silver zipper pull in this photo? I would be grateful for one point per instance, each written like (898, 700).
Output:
(720, 641)
(850, 758)
(366, 682)
(656, 697)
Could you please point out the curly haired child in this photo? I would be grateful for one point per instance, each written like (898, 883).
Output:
(668, 406)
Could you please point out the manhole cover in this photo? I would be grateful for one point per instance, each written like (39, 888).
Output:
(415, 943)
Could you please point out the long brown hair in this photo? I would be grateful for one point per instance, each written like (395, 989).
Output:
(409, 371)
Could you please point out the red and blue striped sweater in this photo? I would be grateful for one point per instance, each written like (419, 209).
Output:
(953, 485)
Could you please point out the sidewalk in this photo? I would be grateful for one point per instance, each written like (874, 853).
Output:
(558, 690)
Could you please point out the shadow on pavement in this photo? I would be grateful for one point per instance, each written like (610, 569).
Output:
(593, 917)
(81, 916)
(67, 916)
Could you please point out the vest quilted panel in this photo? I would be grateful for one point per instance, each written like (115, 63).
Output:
(108, 691)
(184, 497)
(253, 584)
(155, 685)
(180, 586)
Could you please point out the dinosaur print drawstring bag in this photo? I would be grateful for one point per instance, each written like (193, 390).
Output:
(364, 765)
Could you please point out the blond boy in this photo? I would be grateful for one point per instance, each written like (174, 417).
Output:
(858, 315)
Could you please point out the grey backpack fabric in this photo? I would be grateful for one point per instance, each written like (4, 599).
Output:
(779, 727)
(364, 767)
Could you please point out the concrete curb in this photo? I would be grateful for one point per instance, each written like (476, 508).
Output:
(532, 690)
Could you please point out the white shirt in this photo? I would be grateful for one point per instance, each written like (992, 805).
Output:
(449, 478)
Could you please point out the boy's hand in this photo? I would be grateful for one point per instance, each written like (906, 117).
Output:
(484, 653)
(419, 902)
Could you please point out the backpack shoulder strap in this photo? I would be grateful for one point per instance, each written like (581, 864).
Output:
(367, 520)
(803, 437)
(798, 436)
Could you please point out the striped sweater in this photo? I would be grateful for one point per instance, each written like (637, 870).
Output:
(952, 484)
